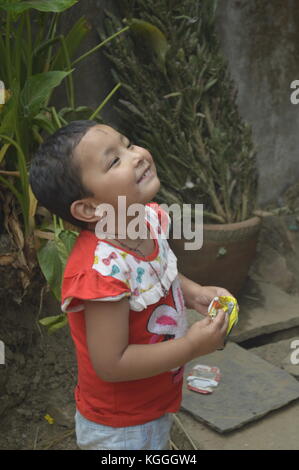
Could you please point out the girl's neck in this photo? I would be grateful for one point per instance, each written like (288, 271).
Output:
(113, 231)
(124, 239)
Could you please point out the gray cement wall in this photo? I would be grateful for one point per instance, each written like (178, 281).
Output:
(260, 39)
(261, 42)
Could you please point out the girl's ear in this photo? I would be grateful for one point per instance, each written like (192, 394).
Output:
(84, 210)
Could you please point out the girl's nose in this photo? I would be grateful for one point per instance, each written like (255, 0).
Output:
(138, 156)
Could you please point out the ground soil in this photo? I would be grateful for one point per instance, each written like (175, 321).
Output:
(37, 379)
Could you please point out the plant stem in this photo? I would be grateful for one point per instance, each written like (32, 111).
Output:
(55, 116)
(7, 49)
(18, 49)
(99, 108)
(100, 45)
(37, 135)
(244, 214)
(10, 173)
(69, 77)
(213, 216)
(55, 222)
(29, 45)
(24, 196)
(218, 208)
(52, 31)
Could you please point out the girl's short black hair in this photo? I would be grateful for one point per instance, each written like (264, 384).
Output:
(54, 177)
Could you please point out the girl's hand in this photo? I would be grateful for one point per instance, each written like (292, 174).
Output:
(207, 335)
(203, 295)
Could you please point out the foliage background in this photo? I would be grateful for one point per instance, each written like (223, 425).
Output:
(178, 100)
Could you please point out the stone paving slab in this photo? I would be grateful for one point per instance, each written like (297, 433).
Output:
(277, 311)
(276, 431)
(249, 389)
(278, 353)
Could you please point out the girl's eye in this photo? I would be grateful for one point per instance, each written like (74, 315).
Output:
(129, 144)
(114, 161)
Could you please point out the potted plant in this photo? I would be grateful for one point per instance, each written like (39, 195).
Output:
(178, 100)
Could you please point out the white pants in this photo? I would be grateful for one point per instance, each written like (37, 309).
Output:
(153, 435)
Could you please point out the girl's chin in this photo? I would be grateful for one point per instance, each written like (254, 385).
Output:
(150, 184)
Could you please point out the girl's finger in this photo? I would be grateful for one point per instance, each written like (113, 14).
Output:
(225, 324)
(220, 318)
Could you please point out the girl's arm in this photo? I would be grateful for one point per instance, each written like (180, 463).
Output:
(114, 360)
(189, 289)
(199, 297)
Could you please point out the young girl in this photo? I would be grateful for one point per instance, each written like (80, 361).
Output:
(124, 297)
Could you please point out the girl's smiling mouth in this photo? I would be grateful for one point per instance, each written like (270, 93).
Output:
(146, 174)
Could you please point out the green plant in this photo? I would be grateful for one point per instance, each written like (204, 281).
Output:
(34, 59)
(178, 100)
(52, 258)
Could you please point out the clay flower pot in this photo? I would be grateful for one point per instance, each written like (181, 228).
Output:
(225, 257)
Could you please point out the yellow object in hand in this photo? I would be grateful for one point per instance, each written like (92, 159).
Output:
(229, 305)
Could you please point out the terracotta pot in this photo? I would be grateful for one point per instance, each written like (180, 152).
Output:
(225, 257)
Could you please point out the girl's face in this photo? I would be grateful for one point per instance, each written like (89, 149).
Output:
(112, 166)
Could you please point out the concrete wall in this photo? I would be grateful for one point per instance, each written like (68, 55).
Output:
(261, 42)
(260, 39)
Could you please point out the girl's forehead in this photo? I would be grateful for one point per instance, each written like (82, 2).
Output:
(95, 141)
(102, 131)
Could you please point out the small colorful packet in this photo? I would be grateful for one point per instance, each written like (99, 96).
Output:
(229, 305)
(203, 379)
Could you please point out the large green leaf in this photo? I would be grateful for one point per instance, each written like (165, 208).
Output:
(68, 237)
(151, 37)
(54, 323)
(53, 255)
(37, 90)
(50, 264)
(41, 5)
(65, 240)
